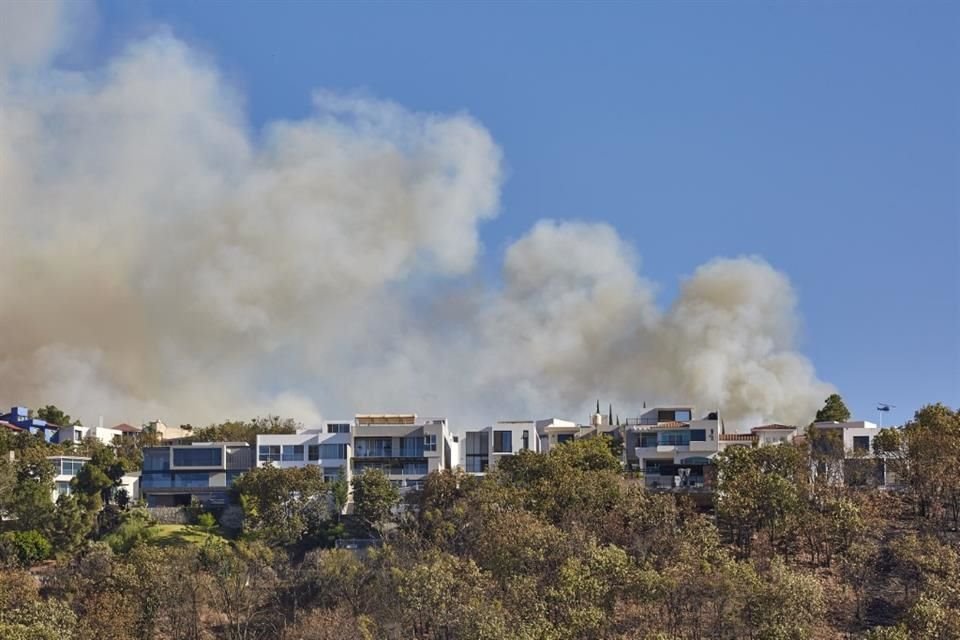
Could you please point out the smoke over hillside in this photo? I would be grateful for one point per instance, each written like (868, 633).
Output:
(162, 260)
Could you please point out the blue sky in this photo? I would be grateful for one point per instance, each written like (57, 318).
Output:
(824, 137)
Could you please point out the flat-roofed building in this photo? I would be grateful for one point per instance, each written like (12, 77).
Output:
(175, 475)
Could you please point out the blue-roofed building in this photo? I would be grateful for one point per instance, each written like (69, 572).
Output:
(20, 417)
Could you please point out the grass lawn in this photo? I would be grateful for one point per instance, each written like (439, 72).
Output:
(178, 535)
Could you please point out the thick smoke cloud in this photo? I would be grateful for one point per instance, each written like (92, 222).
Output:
(163, 260)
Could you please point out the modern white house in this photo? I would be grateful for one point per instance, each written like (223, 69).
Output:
(673, 448)
(859, 464)
(328, 446)
(481, 449)
(404, 446)
(67, 467)
(554, 431)
(106, 435)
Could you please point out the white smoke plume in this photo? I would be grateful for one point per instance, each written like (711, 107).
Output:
(161, 259)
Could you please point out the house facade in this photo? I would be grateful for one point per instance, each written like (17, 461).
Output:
(481, 449)
(405, 447)
(672, 448)
(176, 475)
(328, 447)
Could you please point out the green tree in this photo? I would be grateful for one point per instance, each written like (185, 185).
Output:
(55, 416)
(275, 500)
(759, 489)
(240, 431)
(374, 499)
(833, 410)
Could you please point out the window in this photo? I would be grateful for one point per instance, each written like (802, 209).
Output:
(333, 451)
(292, 453)
(564, 437)
(313, 452)
(232, 477)
(331, 474)
(338, 427)
(77, 434)
(698, 435)
(269, 453)
(156, 459)
(861, 444)
(674, 438)
(191, 479)
(478, 449)
(526, 439)
(202, 457)
(152, 479)
(502, 442)
(430, 442)
(648, 439)
(71, 467)
(682, 415)
(373, 447)
(63, 489)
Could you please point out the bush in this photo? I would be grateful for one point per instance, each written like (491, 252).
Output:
(133, 529)
(24, 548)
(206, 521)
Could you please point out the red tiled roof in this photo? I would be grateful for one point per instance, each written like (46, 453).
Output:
(673, 423)
(10, 427)
(126, 428)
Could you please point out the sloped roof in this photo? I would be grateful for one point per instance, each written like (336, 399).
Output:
(11, 427)
(774, 427)
(126, 428)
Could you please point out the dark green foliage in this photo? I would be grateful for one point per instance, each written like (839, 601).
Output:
(833, 410)
(239, 431)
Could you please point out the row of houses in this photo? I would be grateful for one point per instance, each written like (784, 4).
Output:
(672, 447)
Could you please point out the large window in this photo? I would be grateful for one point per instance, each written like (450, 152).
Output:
(313, 452)
(374, 447)
(331, 474)
(63, 489)
(200, 457)
(333, 451)
(413, 447)
(564, 437)
(71, 467)
(292, 453)
(648, 439)
(503, 442)
(698, 435)
(191, 479)
(156, 459)
(477, 452)
(430, 442)
(675, 438)
(861, 444)
(155, 479)
(338, 427)
(269, 453)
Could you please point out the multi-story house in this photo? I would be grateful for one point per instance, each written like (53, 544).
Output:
(404, 446)
(483, 448)
(176, 475)
(553, 431)
(672, 448)
(328, 447)
(67, 467)
(843, 453)
(20, 417)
